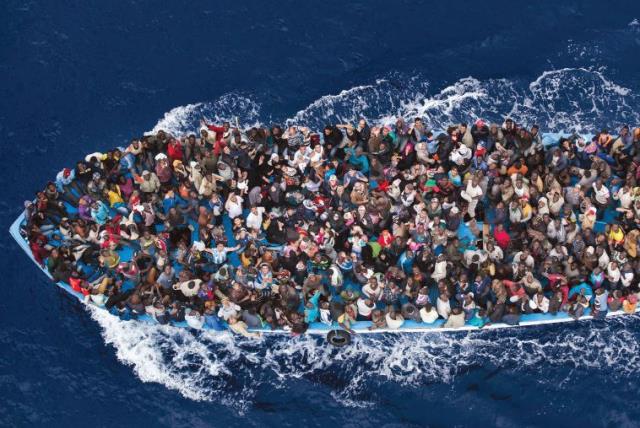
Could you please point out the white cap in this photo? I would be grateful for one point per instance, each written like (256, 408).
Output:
(198, 245)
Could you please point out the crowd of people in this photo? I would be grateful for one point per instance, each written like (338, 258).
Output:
(282, 227)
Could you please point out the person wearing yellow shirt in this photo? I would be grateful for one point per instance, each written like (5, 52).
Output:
(115, 199)
(615, 236)
(347, 318)
(109, 258)
(526, 210)
(630, 304)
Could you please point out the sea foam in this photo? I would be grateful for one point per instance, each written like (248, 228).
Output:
(559, 100)
(216, 366)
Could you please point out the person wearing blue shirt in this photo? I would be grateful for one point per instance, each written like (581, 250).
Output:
(478, 319)
(432, 144)
(128, 163)
(352, 176)
(100, 212)
(358, 159)
(169, 202)
(405, 262)
(65, 183)
(311, 310)
(582, 288)
(64, 179)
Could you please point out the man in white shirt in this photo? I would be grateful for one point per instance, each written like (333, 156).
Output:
(613, 274)
(601, 196)
(255, 218)
(228, 310)
(474, 256)
(627, 275)
(555, 202)
(443, 306)
(625, 197)
(472, 194)
(365, 307)
(540, 303)
(603, 258)
(234, 205)
(556, 231)
(494, 251)
(460, 155)
(301, 158)
(428, 314)
(525, 258)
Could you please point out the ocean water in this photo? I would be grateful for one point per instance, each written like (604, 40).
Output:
(77, 77)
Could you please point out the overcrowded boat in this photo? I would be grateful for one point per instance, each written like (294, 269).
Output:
(357, 228)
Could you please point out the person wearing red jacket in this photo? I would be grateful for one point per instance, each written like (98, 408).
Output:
(38, 248)
(78, 284)
(220, 132)
(174, 150)
(501, 236)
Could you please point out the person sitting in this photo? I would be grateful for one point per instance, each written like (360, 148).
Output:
(455, 319)
(428, 314)
(394, 320)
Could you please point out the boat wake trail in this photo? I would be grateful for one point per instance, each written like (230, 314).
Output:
(220, 367)
(214, 366)
(567, 99)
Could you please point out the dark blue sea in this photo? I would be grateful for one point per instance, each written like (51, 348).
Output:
(83, 76)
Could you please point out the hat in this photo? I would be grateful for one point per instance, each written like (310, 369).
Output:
(176, 163)
(160, 156)
(145, 172)
(198, 246)
(66, 172)
(454, 210)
